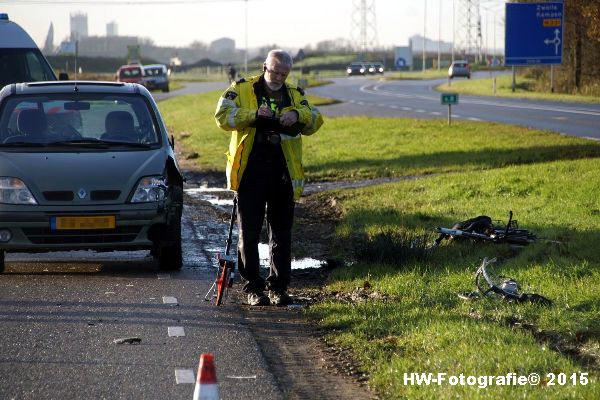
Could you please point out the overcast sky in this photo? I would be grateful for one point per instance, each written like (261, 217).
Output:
(287, 23)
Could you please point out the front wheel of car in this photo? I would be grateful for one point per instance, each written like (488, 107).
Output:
(167, 248)
(1, 261)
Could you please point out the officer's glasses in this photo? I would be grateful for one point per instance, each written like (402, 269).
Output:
(283, 75)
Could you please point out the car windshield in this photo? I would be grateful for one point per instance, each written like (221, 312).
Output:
(130, 73)
(154, 71)
(78, 119)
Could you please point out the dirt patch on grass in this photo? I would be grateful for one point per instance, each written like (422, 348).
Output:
(303, 363)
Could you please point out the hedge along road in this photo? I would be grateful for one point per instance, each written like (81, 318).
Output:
(419, 99)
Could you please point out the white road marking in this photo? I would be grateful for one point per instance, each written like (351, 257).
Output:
(176, 331)
(376, 90)
(242, 377)
(163, 276)
(170, 300)
(184, 376)
(435, 113)
(406, 108)
(420, 110)
(474, 119)
(393, 106)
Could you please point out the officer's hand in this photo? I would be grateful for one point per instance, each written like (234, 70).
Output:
(289, 118)
(264, 111)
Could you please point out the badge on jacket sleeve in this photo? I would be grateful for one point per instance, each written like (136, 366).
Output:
(231, 95)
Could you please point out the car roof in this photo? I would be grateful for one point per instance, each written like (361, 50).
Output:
(12, 36)
(51, 87)
(131, 66)
(155, 66)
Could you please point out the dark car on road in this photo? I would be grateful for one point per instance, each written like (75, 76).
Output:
(459, 68)
(87, 166)
(375, 68)
(356, 69)
(156, 77)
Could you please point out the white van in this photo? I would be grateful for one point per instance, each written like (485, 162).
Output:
(20, 58)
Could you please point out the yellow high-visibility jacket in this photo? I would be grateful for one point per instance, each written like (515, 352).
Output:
(236, 111)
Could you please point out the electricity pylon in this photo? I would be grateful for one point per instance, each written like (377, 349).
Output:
(467, 29)
(364, 27)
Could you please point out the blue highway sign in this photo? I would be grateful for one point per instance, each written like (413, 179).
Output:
(534, 33)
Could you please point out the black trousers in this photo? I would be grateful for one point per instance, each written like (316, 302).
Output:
(265, 184)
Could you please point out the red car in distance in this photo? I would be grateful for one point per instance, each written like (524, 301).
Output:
(131, 73)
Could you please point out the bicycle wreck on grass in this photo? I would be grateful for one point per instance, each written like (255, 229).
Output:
(226, 266)
(487, 280)
(482, 228)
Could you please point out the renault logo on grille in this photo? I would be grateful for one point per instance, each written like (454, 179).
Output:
(82, 193)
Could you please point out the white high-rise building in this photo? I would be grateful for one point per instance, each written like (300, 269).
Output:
(79, 26)
(112, 29)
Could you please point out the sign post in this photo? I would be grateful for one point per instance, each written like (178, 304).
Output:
(449, 99)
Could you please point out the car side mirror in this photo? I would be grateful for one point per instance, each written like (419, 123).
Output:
(63, 76)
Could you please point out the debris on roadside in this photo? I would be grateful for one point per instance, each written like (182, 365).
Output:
(128, 340)
(488, 282)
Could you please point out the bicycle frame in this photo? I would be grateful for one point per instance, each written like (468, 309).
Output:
(226, 266)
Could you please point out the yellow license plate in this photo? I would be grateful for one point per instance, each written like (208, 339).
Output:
(88, 222)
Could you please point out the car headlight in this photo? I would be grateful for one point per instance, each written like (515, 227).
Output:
(349, 70)
(362, 70)
(150, 189)
(15, 191)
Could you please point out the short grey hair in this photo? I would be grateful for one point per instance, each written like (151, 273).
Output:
(281, 56)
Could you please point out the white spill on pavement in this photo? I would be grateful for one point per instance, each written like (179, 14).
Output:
(176, 331)
(170, 300)
(184, 376)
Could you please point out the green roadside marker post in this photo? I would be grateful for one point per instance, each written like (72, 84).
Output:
(449, 99)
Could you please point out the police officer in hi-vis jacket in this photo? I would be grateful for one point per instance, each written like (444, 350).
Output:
(267, 118)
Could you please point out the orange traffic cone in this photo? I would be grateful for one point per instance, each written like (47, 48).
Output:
(206, 383)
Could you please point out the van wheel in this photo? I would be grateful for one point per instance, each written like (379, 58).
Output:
(1, 261)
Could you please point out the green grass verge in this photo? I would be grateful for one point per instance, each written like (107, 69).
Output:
(524, 89)
(419, 324)
(388, 147)
(423, 326)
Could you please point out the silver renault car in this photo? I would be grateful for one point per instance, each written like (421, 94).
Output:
(87, 165)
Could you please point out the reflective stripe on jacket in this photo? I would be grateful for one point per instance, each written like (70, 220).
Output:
(236, 111)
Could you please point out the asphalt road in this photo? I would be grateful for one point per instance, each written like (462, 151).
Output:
(59, 320)
(418, 99)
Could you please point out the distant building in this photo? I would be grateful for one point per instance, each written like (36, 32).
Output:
(106, 46)
(416, 42)
(112, 29)
(79, 26)
(222, 45)
(222, 50)
(49, 43)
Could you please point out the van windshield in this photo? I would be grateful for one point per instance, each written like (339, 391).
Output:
(81, 119)
(23, 65)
